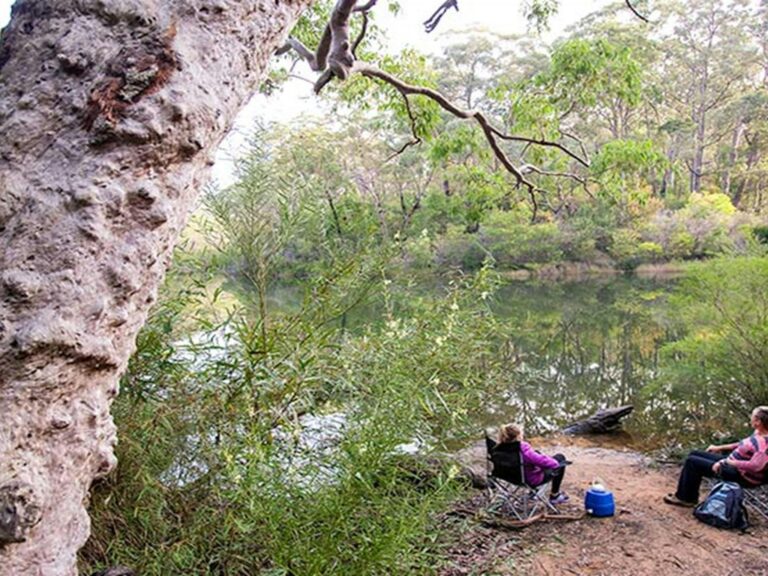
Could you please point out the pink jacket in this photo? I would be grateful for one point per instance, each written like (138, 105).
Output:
(534, 464)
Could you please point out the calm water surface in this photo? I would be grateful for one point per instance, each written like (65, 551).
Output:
(581, 346)
(578, 346)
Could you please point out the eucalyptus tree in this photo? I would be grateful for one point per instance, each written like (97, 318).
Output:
(478, 61)
(110, 112)
(746, 121)
(707, 63)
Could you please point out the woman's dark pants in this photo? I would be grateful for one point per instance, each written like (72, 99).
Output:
(556, 474)
(698, 465)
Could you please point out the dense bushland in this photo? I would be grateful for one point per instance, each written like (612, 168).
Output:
(290, 448)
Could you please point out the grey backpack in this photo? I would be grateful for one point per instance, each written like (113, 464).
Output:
(724, 507)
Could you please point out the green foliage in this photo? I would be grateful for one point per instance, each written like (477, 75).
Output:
(458, 249)
(515, 245)
(539, 12)
(761, 233)
(716, 370)
(242, 454)
(629, 251)
(709, 204)
(625, 158)
(586, 71)
(457, 140)
(410, 67)
(532, 113)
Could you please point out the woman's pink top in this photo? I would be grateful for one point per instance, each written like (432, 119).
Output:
(534, 464)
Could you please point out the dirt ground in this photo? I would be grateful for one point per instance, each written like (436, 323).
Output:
(646, 536)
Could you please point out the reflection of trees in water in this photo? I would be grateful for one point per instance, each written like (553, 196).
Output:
(573, 348)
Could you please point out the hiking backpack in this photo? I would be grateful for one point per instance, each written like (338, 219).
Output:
(724, 507)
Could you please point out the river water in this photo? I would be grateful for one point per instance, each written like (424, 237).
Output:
(582, 346)
(576, 347)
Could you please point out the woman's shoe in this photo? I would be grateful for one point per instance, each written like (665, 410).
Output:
(559, 498)
(675, 501)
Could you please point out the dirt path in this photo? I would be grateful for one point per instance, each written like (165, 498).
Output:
(645, 536)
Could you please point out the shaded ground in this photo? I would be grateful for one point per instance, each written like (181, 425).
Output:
(645, 537)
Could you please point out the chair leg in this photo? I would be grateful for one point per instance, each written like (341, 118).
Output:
(753, 502)
(540, 493)
(510, 499)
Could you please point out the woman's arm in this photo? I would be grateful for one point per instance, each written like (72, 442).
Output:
(530, 456)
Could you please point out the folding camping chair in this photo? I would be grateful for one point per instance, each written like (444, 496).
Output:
(506, 485)
(756, 499)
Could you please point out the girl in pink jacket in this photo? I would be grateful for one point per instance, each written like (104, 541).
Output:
(537, 467)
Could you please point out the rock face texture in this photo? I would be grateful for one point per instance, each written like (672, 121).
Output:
(110, 112)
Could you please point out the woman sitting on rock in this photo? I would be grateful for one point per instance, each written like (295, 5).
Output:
(537, 467)
(745, 464)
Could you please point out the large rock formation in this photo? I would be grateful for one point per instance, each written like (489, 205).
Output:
(110, 112)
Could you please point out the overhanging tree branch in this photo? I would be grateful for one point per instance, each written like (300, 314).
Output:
(338, 56)
(416, 139)
(489, 131)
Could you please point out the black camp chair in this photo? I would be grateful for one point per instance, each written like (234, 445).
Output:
(507, 490)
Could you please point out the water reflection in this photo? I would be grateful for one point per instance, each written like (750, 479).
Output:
(569, 348)
(572, 348)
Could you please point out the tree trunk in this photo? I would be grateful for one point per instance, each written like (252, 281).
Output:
(110, 112)
(738, 132)
(753, 156)
(698, 153)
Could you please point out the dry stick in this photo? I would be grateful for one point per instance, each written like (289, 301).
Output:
(579, 141)
(576, 177)
(416, 139)
(635, 12)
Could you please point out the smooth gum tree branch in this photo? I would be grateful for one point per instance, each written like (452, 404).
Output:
(488, 130)
(415, 140)
(541, 142)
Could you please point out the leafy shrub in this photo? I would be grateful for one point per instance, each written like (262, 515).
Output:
(219, 471)
(513, 246)
(629, 251)
(681, 245)
(761, 234)
(716, 368)
(458, 249)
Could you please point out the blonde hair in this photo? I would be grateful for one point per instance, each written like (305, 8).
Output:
(510, 433)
